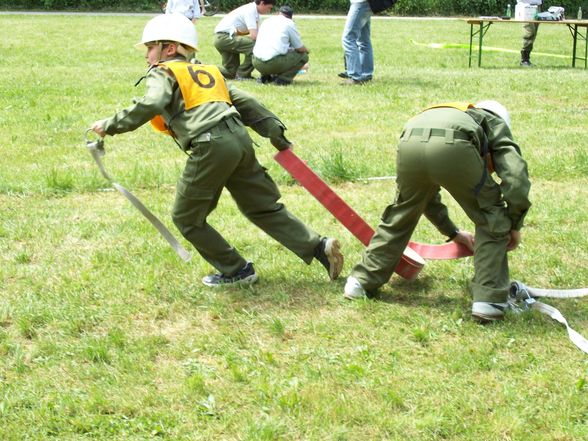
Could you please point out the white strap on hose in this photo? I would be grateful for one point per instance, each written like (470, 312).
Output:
(525, 295)
(554, 313)
(96, 149)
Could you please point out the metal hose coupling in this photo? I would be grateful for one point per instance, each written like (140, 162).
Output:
(520, 296)
(96, 145)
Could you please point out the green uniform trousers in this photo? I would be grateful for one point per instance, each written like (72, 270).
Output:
(423, 166)
(228, 160)
(529, 34)
(285, 67)
(231, 49)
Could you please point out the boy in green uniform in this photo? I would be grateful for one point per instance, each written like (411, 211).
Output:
(453, 146)
(207, 119)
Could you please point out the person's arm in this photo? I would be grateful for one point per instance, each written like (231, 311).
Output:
(259, 118)
(158, 95)
(251, 19)
(511, 168)
(438, 215)
(197, 11)
(296, 40)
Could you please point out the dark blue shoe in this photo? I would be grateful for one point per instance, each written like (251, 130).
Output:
(245, 276)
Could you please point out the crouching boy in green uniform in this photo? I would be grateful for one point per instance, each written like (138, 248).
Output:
(206, 118)
(454, 146)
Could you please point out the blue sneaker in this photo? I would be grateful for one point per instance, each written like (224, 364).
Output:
(245, 276)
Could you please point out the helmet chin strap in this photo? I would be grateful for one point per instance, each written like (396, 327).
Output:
(160, 46)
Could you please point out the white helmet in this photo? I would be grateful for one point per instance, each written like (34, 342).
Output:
(170, 27)
(496, 108)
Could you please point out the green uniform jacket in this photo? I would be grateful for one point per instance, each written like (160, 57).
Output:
(163, 97)
(508, 162)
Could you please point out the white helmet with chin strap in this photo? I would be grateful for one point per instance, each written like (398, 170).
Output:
(496, 108)
(170, 27)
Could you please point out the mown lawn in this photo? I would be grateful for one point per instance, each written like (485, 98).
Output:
(106, 334)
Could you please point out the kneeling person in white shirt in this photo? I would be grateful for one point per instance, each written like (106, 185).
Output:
(278, 53)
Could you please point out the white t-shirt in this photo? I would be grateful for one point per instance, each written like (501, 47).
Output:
(189, 8)
(241, 19)
(277, 35)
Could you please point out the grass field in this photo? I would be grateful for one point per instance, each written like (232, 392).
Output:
(106, 334)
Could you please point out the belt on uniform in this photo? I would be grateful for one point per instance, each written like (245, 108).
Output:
(231, 123)
(450, 136)
(425, 134)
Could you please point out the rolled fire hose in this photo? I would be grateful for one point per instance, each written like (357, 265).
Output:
(523, 297)
(96, 149)
(412, 260)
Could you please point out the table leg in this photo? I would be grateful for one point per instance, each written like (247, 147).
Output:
(480, 44)
(574, 44)
(471, 41)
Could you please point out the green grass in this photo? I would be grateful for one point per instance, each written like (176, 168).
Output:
(106, 334)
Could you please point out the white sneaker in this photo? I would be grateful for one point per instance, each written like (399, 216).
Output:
(353, 289)
(487, 311)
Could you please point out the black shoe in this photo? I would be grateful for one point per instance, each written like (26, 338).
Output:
(245, 276)
(343, 75)
(526, 63)
(280, 82)
(265, 79)
(328, 253)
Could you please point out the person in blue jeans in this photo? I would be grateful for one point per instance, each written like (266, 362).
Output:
(357, 44)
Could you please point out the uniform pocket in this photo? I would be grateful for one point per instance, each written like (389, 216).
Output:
(193, 204)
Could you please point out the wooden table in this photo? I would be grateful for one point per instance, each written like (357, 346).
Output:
(578, 29)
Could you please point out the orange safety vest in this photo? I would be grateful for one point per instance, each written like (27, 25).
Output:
(198, 83)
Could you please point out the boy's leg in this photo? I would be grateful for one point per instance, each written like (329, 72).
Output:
(257, 197)
(488, 212)
(287, 66)
(198, 190)
(393, 233)
(226, 46)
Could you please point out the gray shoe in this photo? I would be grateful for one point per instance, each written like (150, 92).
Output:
(353, 289)
(488, 312)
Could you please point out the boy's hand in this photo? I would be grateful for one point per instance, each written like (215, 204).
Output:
(465, 238)
(281, 144)
(515, 240)
(97, 127)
